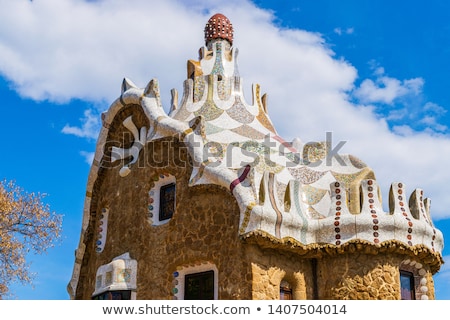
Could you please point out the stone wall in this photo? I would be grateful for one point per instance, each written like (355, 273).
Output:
(361, 276)
(204, 227)
(270, 267)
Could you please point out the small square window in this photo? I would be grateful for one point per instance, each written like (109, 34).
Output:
(199, 286)
(407, 285)
(166, 201)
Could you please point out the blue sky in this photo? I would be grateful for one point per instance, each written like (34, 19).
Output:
(372, 72)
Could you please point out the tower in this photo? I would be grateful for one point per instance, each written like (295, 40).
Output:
(209, 196)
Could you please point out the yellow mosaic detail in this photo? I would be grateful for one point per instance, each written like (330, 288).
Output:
(246, 219)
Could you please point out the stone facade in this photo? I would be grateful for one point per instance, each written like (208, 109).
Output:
(362, 277)
(210, 189)
(203, 229)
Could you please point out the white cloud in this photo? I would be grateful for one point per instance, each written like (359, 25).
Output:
(400, 101)
(430, 118)
(442, 278)
(88, 156)
(89, 129)
(397, 114)
(339, 31)
(434, 108)
(59, 50)
(403, 130)
(387, 89)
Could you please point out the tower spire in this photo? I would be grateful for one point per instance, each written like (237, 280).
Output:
(218, 27)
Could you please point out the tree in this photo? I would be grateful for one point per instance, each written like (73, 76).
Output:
(26, 225)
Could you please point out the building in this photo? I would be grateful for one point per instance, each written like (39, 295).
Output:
(208, 202)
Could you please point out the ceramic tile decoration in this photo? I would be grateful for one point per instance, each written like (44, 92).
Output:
(119, 274)
(249, 127)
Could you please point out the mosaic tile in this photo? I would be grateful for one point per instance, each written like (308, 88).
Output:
(262, 117)
(209, 111)
(347, 178)
(224, 89)
(124, 275)
(306, 175)
(199, 88)
(357, 163)
(312, 195)
(98, 282)
(108, 278)
(239, 112)
(248, 132)
(314, 151)
(218, 66)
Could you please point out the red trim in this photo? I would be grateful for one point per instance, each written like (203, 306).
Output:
(237, 181)
(286, 144)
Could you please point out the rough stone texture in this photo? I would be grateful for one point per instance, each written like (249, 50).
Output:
(362, 277)
(270, 267)
(204, 227)
(430, 285)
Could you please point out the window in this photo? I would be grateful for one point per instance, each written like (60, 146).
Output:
(114, 295)
(285, 291)
(166, 201)
(200, 280)
(162, 199)
(199, 286)
(407, 285)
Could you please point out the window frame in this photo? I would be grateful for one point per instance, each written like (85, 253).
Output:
(163, 201)
(407, 275)
(204, 277)
(154, 195)
(179, 278)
